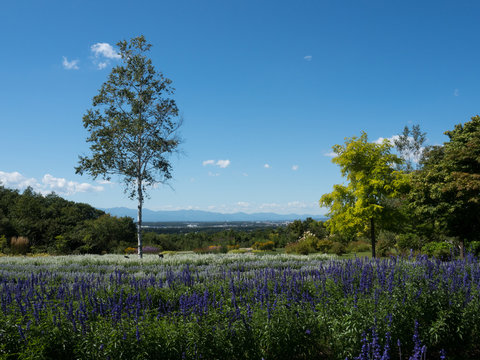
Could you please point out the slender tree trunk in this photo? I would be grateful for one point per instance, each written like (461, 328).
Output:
(139, 223)
(372, 235)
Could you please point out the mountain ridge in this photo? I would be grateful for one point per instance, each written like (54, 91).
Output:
(204, 216)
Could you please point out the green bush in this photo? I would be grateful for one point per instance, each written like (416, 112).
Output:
(307, 244)
(3, 244)
(337, 249)
(324, 246)
(407, 242)
(441, 250)
(358, 246)
(263, 245)
(474, 247)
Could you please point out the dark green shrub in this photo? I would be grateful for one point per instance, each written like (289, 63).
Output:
(358, 246)
(263, 245)
(325, 246)
(474, 247)
(407, 242)
(441, 250)
(337, 249)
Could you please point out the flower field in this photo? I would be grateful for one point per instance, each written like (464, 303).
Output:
(238, 306)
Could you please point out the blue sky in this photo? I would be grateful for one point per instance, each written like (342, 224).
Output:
(265, 88)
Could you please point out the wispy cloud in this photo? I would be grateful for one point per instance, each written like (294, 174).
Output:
(103, 53)
(308, 57)
(47, 184)
(330, 154)
(294, 167)
(70, 65)
(456, 92)
(213, 174)
(223, 163)
(208, 162)
(267, 166)
(297, 207)
(220, 163)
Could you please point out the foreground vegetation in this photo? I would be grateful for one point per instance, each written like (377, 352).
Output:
(238, 307)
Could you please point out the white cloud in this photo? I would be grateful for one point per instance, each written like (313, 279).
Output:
(220, 163)
(223, 163)
(244, 174)
(266, 166)
(270, 206)
(330, 154)
(103, 53)
(105, 50)
(297, 207)
(70, 65)
(297, 204)
(47, 185)
(295, 167)
(102, 65)
(391, 139)
(308, 57)
(213, 174)
(16, 180)
(456, 92)
(208, 162)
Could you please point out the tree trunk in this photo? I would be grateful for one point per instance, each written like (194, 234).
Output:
(372, 235)
(462, 248)
(139, 219)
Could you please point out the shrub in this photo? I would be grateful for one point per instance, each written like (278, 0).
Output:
(265, 245)
(19, 244)
(324, 246)
(130, 250)
(212, 249)
(358, 246)
(3, 244)
(307, 244)
(441, 250)
(337, 249)
(474, 247)
(233, 247)
(386, 242)
(406, 242)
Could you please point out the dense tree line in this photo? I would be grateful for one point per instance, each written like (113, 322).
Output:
(425, 198)
(280, 236)
(52, 224)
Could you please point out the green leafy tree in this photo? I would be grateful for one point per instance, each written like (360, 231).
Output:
(372, 180)
(133, 126)
(446, 192)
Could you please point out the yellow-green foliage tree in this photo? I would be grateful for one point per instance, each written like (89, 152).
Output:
(369, 168)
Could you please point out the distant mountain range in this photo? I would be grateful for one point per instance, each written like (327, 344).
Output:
(198, 215)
